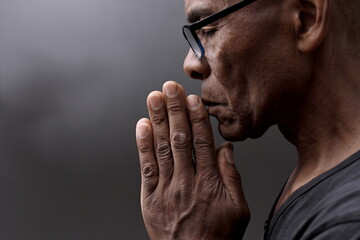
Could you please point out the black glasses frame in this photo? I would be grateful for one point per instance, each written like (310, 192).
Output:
(191, 28)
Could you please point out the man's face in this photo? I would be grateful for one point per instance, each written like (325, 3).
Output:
(250, 71)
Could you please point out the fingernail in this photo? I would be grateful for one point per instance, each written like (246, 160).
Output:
(193, 102)
(156, 102)
(142, 130)
(171, 90)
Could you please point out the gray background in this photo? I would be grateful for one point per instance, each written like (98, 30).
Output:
(74, 76)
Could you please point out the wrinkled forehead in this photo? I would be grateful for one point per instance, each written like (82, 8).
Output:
(196, 9)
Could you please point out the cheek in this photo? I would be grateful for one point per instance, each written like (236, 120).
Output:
(227, 70)
(225, 64)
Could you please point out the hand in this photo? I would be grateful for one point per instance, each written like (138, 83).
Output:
(186, 197)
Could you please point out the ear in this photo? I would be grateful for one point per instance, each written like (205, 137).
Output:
(312, 20)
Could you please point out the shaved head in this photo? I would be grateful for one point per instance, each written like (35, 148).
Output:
(345, 25)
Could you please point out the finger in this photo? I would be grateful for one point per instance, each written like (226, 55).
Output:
(180, 137)
(231, 177)
(160, 125)
(203, 140)
(148, 164)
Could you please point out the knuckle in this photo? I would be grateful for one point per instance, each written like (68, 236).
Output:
(163, 150)
(149, 170)
(158, 119)
(175, 107)
(182, 191)
(144, 147)
(202, 143)
(180, 140)
(198, 118)
(210, 187)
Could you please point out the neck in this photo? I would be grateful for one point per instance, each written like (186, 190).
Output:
(327, 129)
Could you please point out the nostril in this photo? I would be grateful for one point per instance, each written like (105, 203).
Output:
(196, 68)
(196, 75)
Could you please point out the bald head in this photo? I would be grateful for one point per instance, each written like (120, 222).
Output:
(346, 17)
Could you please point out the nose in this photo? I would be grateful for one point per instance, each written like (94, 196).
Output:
(196, 68)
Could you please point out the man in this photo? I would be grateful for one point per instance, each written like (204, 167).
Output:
(293, 63)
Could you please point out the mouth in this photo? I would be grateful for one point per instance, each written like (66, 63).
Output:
(211, 105)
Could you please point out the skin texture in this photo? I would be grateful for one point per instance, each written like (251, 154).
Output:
(181, 199)
(230, 71)
(293, 63)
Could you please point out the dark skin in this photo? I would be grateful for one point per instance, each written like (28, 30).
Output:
(176, 193)
(296, 79)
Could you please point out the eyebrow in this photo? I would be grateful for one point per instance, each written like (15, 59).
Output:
(198, 13)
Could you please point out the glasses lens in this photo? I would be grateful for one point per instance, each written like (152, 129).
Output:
(193, 42)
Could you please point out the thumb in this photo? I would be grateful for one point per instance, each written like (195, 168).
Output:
(231, 177)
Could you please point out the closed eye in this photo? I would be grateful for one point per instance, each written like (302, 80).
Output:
(207, 31)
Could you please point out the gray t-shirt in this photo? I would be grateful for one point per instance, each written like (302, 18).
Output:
(328, 207)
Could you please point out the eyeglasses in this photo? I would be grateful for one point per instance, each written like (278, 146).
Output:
(189, 31)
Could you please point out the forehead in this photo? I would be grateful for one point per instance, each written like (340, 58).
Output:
(196, 9)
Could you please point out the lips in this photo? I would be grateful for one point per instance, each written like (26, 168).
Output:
(212, 107)
(210, 103)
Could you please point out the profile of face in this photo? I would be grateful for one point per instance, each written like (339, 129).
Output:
(252, 73)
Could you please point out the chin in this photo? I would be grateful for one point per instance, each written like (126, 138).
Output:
(239, 132)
